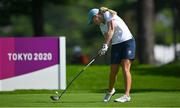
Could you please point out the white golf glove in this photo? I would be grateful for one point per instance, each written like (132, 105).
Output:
(103, 49)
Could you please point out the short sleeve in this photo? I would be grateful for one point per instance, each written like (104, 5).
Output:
(108, 16)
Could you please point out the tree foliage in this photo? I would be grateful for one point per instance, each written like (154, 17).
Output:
(69, 18)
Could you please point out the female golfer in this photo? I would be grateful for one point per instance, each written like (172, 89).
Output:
(117, 34)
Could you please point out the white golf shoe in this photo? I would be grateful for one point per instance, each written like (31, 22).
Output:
(109, 95)
(123, 99)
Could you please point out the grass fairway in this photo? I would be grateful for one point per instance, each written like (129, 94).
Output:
(152, 87)
(85, 99)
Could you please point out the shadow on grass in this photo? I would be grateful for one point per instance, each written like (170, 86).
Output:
(138, 90)
(171, 70)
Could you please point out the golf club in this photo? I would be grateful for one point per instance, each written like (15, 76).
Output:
(57, 96)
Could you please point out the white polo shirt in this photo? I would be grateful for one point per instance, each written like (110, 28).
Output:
(121, 32)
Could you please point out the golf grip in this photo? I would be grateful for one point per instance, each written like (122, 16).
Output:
(80, 73)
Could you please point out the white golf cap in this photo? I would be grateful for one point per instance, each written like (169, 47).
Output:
(92, 13)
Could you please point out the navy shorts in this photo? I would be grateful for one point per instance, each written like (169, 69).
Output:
(124, 50)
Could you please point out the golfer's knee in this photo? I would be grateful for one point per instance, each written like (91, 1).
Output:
(114, 73)
(126, 70)
(114, 70)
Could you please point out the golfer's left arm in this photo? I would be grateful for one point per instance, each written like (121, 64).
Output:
(108, 35)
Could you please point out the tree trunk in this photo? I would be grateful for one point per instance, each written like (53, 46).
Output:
(145, 38)
(176, 25)
(5, 18)
(37, 17)
(175, 32)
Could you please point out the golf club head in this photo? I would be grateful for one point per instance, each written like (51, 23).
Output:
(55, 98)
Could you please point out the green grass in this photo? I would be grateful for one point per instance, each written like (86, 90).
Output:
(85, 99)
(152, 87)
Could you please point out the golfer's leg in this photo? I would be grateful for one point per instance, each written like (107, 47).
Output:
(113, 75)
(126, 65)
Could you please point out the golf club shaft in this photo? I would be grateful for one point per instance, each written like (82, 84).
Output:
(79, 74)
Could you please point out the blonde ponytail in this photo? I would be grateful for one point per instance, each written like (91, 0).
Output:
(104, 9)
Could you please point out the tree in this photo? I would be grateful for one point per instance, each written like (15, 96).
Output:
(145, 38)
(176, 25)
(32, 8)
(174, 6)
(37, 17)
